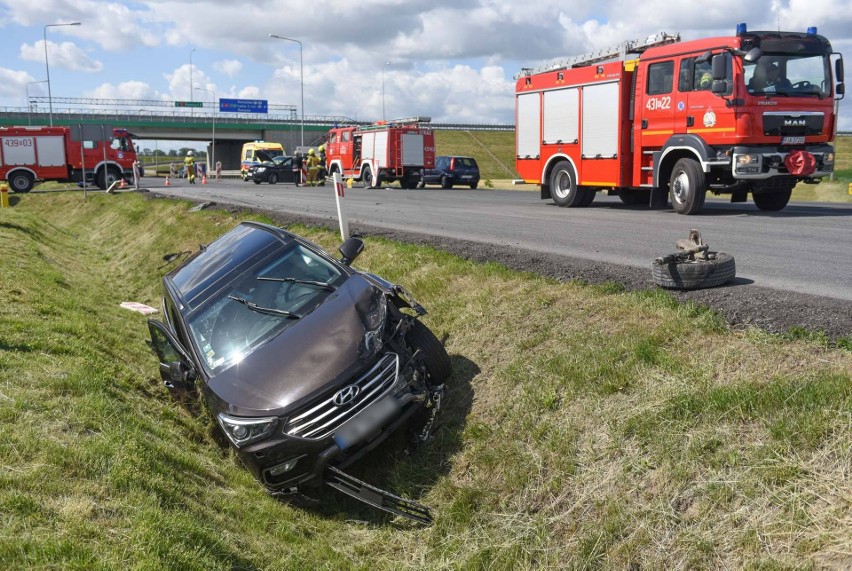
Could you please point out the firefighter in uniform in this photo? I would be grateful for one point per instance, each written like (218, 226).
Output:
(189, 164)
(297, 168)
(323, 168)
(313, 167)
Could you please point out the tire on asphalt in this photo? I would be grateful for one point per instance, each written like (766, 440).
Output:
(772, 201)
(446, 182)
(695, 275)
(272, 179)
(634, 196)
(367, 177)
(563, 186)
(687, 187)
(432, 352)
(589, 194)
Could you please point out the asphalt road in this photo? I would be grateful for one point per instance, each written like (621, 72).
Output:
(798, 249)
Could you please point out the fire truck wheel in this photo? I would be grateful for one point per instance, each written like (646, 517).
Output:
(589, 194)
(772, 201)
(446, 182)
(107, 176)
(367, 177)
(687, 187)
(21, 182)
(563, 186)
(695, 275)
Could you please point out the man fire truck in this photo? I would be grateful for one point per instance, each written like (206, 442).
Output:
(656, 127)
(382, 152)
(33, 154)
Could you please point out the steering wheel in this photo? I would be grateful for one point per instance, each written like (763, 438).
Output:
(804, 84)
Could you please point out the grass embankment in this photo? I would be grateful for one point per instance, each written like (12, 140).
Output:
(587, 426)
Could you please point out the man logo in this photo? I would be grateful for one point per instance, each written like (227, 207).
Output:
(346, 395)
(794, 122)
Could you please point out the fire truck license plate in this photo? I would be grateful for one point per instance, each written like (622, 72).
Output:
(792, 140)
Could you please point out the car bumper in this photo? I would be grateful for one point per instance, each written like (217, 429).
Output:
(284, 462)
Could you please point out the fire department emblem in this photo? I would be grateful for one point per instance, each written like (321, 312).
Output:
(709, 119)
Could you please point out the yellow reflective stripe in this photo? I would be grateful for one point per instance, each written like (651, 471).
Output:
(712, 130)
(663, 132)
(596, 183)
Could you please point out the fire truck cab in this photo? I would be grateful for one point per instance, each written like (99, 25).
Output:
(750, 114)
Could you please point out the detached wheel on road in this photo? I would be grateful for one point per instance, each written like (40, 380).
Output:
(772, 201)
(563, 186)
(696, 274)
(21, 182)
(687, 187)
(432, 352)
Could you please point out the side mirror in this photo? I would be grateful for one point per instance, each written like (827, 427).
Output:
(840, 89)
(719, 87)
(719, 67)
(350, 249)
(838, 70)
(753, 55)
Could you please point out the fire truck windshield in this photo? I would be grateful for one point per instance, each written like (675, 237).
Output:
(788, 75)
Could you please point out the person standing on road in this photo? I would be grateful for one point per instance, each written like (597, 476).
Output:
(136, 174)
(323, 168)
(313, 167)
(297, 168)
(172, 170)
(189, 163)
(218, 170)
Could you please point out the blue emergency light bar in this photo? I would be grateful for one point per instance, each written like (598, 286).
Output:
(741, 28)
(812, 31)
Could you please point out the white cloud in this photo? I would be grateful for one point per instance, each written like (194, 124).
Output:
(65, 55)
(13, 84)
(229, 67)
(125, 90)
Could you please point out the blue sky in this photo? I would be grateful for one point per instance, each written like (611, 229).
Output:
(454, 61)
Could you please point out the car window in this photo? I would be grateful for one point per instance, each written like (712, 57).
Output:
(465, 162)
(660, 77)
(227, 330)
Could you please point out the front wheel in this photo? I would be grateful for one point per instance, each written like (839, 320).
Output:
(772, 201)
(446, 182)
(273, 178)
(563, 186)
(367, 177)
(21, 182)
(687, 187)
(106, 177)
(432, 352)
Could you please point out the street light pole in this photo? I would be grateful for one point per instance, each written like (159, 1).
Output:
(301, 80)
(47, 65)
(387, 63)
(190, 76)
(29, 106)
(213, 144)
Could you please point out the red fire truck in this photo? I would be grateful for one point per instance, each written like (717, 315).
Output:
(33, 154)
(382, 152)
(753, 113)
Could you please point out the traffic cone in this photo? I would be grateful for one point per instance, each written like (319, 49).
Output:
(167, 182)
(204, 179)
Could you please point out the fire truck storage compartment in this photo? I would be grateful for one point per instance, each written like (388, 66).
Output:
(374, 146)
(23, 150)
(529, 125)
(600, 121)
(561, 116)
(412, 149)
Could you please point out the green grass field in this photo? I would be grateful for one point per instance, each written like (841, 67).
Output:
(588, 427)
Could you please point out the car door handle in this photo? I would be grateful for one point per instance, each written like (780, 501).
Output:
(690, 121)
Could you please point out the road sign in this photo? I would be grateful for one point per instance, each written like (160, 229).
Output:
(189, 104)
(243, 105)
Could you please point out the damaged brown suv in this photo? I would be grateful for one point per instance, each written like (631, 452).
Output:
(306, 363)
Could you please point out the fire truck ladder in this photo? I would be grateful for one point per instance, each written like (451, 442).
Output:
(619, 51)
(416, 120)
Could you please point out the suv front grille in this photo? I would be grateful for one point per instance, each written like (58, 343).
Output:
(321, 418)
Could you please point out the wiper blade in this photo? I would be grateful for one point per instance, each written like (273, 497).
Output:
(322, 285)
(268, 310)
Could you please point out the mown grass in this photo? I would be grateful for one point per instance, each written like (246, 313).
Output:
(588, 427)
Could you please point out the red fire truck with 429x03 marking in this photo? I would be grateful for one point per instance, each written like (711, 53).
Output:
(386, 151)
(67, 154)
(754, 113)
